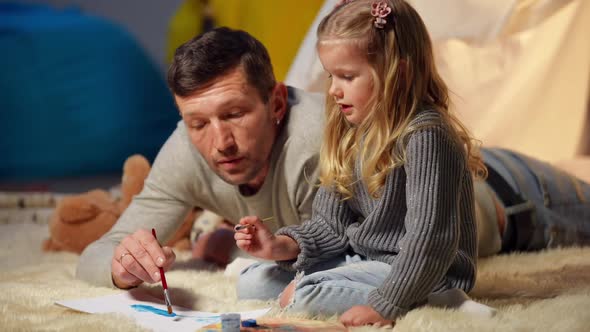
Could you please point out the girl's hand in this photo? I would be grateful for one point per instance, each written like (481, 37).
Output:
(363, 315)
(255, 238)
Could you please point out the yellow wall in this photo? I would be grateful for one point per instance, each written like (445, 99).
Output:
(279, 24)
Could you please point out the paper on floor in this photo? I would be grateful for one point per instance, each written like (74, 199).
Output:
(150, 312)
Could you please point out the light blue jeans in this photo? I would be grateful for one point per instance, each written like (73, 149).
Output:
(328, 288)
(560, 202)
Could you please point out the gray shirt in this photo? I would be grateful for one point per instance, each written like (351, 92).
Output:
(423, 224)
(181, 179)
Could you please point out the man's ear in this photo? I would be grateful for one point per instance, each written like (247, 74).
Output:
(278, 102)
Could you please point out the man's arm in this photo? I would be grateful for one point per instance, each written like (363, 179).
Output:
(145, 212)
(162, 204)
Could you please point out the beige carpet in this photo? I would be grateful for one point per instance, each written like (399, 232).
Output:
(548, 291)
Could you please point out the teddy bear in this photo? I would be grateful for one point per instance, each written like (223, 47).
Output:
(81, 219)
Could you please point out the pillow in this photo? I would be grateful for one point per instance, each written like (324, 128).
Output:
(78, 95)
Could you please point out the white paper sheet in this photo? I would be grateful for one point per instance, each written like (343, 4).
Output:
(150, 312)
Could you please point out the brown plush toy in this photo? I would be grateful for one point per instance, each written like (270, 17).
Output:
(79, 220)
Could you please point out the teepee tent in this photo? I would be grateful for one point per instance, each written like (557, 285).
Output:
(519, 71)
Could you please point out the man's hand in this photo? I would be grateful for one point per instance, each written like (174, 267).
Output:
(363, 315)
(137, 258)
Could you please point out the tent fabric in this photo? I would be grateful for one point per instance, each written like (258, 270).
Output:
(77, 95)
(518, 70)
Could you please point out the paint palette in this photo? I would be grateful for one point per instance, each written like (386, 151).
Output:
(285, 324)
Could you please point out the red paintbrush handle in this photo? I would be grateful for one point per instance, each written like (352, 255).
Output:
(162, 276)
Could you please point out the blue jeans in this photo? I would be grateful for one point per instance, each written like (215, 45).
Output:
(327, 288)
(560, 203)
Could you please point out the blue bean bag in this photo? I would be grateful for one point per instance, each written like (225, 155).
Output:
(77, 95)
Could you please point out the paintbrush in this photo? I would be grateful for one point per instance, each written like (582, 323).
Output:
(164, 284)
(240, 227)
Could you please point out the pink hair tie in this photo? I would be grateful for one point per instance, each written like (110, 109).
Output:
(380, 10)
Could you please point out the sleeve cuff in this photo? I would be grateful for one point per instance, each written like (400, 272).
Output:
(301, 261)
(94, 267)
(384, 307)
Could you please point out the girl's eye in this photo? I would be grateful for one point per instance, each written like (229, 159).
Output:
(348, 77)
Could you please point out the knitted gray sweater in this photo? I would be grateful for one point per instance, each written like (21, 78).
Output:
(423, 224)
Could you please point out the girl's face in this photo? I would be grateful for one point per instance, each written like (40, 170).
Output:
(351, 80)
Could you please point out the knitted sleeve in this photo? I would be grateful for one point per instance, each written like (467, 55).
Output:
(434, 168)
(160, 205)
(323, 236)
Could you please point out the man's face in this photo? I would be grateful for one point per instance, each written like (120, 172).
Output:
(232, 128)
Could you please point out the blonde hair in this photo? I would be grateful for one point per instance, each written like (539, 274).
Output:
(405, 81)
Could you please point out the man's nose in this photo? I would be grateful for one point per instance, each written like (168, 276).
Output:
(224, 138)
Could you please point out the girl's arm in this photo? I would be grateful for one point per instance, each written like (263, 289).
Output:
(257, 240)
(435, 173)
(324, 235)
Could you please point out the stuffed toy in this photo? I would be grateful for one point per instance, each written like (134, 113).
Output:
(79, 220)
(212, 239)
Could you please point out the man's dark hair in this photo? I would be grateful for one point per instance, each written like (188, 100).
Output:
(208, 56)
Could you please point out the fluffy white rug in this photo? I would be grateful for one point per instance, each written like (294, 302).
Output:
(546, 291)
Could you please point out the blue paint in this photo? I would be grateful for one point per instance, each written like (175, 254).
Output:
(160, 312)
(148, 308)
(249, 323)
